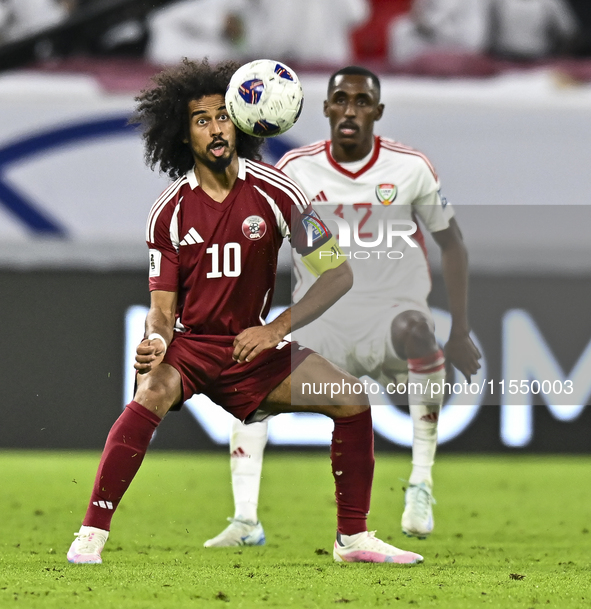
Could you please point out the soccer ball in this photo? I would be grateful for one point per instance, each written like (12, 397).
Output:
(264, 98)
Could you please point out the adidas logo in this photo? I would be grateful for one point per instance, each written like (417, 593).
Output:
(239, 452)
(107, 505)
(192, 237)
(432, 417)
(320, 197)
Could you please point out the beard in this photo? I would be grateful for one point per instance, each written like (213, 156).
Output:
(220, 164)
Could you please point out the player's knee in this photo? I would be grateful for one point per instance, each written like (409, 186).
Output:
(157, 393)
(416, 334)
(351, 399)
(359, 402)
(420, 331)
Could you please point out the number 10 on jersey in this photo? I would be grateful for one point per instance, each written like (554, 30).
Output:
(231, 265)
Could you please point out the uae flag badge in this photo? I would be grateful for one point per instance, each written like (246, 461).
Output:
(386, 193)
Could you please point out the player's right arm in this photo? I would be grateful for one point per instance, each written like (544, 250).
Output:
(163, 278)
(159, 330)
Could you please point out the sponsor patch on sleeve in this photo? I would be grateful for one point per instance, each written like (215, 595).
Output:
(155, 260)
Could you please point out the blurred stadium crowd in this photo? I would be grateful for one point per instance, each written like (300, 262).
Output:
(449, 36)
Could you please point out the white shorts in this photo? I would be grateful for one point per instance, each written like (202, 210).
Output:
(363, 347)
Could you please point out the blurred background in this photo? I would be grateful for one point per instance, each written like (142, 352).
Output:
(496, 92)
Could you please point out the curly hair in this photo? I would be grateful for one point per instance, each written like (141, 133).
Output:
(163, 113)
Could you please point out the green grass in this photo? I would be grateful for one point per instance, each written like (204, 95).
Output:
(495, 517)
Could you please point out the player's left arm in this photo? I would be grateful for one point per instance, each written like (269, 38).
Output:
(332, 284)
(459, 350)
(335, 279)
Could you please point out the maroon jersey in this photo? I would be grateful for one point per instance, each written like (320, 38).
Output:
(221, 258)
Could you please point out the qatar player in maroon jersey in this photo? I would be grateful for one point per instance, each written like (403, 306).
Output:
(213, 236)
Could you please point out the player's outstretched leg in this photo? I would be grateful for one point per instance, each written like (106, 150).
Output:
(417, 519)
(352, 466)
(247, 445)
(351, 453)
(123, 454)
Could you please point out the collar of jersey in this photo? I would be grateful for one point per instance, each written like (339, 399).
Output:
(368, 165)
(192, 177)
(193, 183)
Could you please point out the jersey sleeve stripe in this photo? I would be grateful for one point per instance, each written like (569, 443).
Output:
(285, 183)
(310, 150)
(174, 227)
(395, 147)
(281, 181)
(279, 218)
(170, 188)
(156, 207)
(159, 206)
(165, 194)
(263, 322)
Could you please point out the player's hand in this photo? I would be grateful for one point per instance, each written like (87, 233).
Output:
(250, 342)
(148, 355)
(463, 354)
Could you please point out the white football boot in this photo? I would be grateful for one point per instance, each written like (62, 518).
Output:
(239, 533)
(366, 547)
(417, 519)
(88, 545)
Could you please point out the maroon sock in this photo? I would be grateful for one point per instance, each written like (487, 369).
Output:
(352, 467)
(124, 452)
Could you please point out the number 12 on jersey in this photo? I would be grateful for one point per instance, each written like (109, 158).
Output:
(231, 265)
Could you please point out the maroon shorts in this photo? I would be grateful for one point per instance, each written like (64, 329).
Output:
(206, 366)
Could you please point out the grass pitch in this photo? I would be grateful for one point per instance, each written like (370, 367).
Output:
(510, 532)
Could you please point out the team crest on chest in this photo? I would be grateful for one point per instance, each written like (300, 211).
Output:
(254, 227)
(386, 193)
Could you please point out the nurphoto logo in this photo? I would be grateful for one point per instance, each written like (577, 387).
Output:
(388, 231)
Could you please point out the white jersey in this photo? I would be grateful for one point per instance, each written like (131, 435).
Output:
(391, 188)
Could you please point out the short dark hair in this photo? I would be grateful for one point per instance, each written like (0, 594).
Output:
(355, 71)
(163, 113)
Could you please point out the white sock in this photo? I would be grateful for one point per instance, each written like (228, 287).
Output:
(424, 443)
(424, 410)
(247, 445)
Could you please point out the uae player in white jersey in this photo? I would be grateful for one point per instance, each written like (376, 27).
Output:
(213, 238)
(383, 327)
